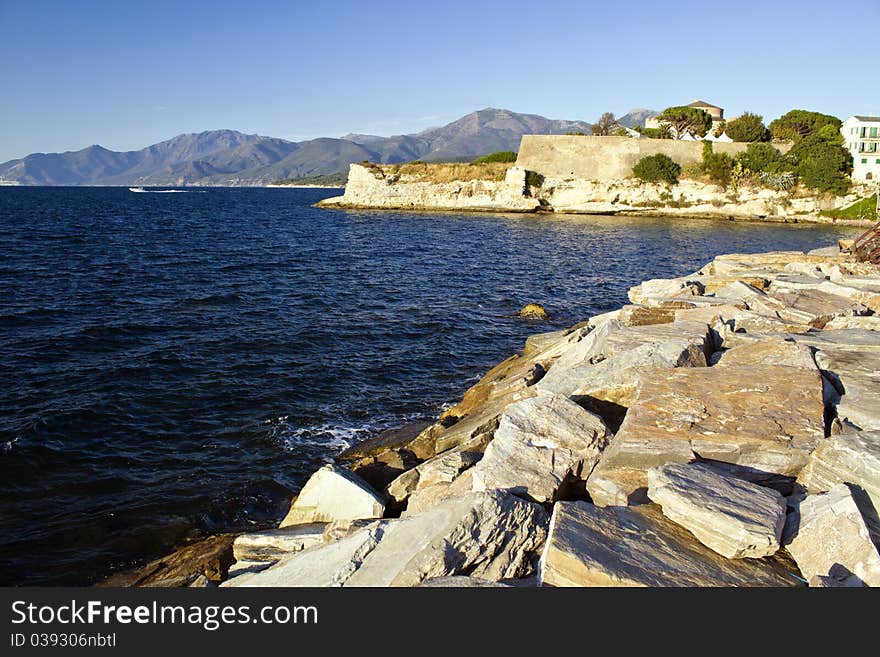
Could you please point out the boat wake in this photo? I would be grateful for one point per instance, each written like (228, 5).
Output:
(141, 190)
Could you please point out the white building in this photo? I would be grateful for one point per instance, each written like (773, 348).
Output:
(861, 135)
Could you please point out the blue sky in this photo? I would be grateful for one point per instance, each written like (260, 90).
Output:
(126, 74)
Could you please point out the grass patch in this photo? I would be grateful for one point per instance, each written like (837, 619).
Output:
(865, 208)
(500, 156)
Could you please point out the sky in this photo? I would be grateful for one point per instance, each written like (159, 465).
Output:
(127, 74)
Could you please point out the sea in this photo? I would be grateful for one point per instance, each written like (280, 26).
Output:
(177, 365)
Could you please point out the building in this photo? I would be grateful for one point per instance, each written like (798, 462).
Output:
(717, 114)
(861, 135)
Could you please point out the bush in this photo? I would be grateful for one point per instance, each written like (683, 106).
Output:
(534, 179)
(719, 166)
(797, 124)
(657, 133)
(761, 157)
(657, 168)
(500, 156)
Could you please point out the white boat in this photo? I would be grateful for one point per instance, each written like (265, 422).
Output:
(136, 189)
(8, 183)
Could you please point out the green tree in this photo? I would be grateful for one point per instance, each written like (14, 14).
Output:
(821, 164)
(657, 168)
(662, 132)
(748, 127)
(683, 119)
(606, 125)
(761, 157)
(500, 156)
(797, 124)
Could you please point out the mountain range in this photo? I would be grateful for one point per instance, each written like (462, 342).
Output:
(227, 157)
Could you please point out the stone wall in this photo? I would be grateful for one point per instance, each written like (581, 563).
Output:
(606, 158)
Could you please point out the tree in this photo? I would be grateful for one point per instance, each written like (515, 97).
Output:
(686, 119)
(822, 164)
(748, 127)
(797, 124)
(606, 125)
(657, 168)
(662, 132)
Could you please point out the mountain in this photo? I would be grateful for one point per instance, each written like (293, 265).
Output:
(636, 118)
(227, 157)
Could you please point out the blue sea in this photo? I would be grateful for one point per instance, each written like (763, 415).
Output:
(176, 365)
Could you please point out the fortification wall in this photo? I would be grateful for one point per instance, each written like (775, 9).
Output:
(605, 158)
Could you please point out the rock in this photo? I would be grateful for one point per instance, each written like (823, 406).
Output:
(735, 518)
(766, 417)
(604, 367)
(866, 322)
(644, 316)
(460, 582)
(275, 543)
(210, 557)
(243, 567)
(334, 493)
(645, 292)
(490, 535)
(380, 470)
(402, 487)
(202, 582)
(851, 458)
(638, 546)
(833, 251)
(442, 469)
(337, 529)
(827, 531)
(383, 441)
(538, 342)
(534, 311)
(855, 372)
(430, 496)
(769, 351)
(540, 445)
(814, 307)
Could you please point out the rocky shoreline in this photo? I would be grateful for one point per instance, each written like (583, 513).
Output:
(723, 429)
(377, 187)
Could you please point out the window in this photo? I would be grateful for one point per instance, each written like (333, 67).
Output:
(877, 161)
(873, 132)
(864, 160)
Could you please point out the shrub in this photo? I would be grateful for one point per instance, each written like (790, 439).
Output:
(657, 168)
(500, 156)
(798, 124)
(534, 179)
(821, 164)
(657, 133)
(719, 166)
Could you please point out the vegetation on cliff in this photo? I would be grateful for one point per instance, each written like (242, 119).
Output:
(657, 168)
(500, 156)
(747, 127)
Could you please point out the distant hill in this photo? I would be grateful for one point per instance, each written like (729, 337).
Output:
(636, 118)
(227, 157)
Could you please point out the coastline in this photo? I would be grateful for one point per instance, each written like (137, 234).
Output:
(562, 438)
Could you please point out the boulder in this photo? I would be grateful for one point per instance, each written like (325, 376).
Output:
(460, 582)
(489, 535)
(851, 458)
(540, 444)
(601, 372)
(735, 518)
(645, 316)
(866, 322)
(534, 311)
(275, 543)
(334, 493)
(646, 292)
(210, 557)
(427, 497)
(765, 417)
(383, 441)
(638, 546)
(769, 351)
(827, 532)
(855, 371)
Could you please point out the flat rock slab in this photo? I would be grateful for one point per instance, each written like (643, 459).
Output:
(770, 351)
(276, 543)
(490, 535)
(638, 546)
(852, 458)
(334, 493)
(827, 536)
(735, 518)
(540, 443)
(766, 417)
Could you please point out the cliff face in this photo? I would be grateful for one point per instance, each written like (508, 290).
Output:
(370, 187)
(373, 187)
(687, 198)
